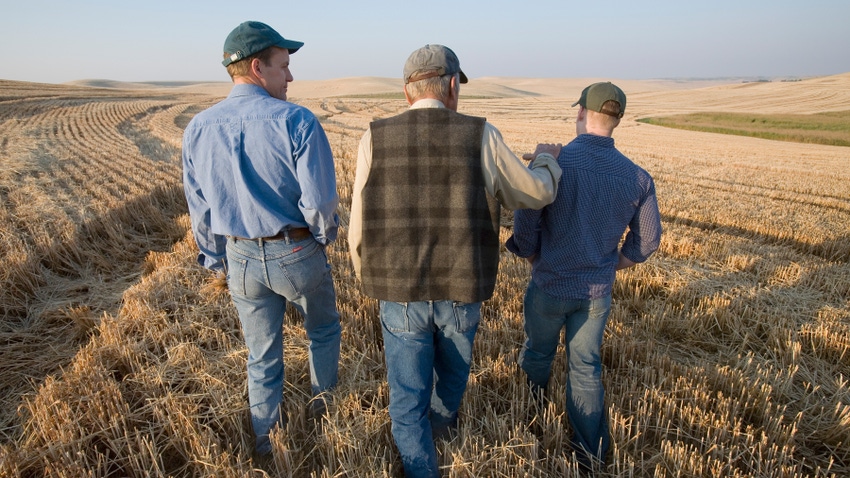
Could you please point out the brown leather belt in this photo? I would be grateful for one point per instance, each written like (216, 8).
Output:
(294, 234)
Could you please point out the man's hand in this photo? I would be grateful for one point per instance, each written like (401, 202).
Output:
(553, 149)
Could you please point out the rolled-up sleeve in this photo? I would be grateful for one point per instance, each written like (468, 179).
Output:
(355, 221)
(644, 236)
(525, 241)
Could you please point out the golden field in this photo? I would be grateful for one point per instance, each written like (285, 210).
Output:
(726, 354)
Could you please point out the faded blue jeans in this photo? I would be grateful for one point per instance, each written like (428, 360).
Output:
(584, 322)
(262, 277)
(428, 347)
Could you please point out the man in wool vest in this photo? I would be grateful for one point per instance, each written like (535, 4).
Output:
(424, 240)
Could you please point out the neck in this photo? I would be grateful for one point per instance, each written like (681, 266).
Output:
(588, 122)
(246, 80)
(598, 131)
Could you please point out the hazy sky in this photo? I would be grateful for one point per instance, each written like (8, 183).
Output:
(54, 41)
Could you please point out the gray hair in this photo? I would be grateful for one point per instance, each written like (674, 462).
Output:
(437, 86)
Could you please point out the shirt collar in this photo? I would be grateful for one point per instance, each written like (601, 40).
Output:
(247, 89)
(427, 103)
(605, 141)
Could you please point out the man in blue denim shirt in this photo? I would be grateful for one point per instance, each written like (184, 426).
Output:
(259, 179)
(574, 247)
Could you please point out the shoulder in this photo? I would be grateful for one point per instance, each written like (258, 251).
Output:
(631, 164)
(572, 152)
(470, 117)
(431, 115)
(637, 174)
(383, 121)
(274, 107)
(492, 131)
(302, 114)
(202, 120)
(446, 113)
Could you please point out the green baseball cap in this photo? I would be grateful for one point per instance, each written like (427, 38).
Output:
(252, 37)
(430, 61)
(595, 95)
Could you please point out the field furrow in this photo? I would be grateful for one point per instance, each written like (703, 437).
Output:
(726, 354)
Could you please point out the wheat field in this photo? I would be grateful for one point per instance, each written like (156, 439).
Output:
(726, 354)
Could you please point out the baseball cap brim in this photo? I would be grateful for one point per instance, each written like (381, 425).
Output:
(252, 37)
(290, 45)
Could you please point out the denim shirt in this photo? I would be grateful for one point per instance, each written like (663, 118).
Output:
(576, 239)
(254, 165)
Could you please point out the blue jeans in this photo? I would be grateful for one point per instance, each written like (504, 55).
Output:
(428, 347)
(261, 278)
(584, 322)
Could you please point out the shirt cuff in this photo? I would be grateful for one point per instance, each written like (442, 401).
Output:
(546, 156)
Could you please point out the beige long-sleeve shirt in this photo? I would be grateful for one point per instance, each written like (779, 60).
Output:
(506, 178)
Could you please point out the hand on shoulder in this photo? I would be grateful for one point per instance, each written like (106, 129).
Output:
(547, 148)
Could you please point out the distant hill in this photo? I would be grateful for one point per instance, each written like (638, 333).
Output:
(496, 87)
(671, 95)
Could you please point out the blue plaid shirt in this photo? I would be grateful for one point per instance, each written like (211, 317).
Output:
(601, 194)
(254, 165)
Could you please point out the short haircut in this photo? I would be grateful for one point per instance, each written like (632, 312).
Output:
(609, 116)
(243, 66)
(611, 108)
(437, 86)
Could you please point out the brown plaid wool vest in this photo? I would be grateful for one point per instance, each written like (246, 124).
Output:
(430, 229)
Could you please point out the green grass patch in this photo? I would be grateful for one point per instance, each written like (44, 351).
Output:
(831, 128)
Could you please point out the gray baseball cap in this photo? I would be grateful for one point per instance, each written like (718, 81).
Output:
(253, 37)
(430, 61)
(595, 95)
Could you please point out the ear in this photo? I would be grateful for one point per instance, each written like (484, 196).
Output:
(257, 67)
(454, 87)
(407, 95)
(453, 95)
(582, 113)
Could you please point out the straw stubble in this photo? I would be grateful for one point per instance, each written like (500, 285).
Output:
(725, 355)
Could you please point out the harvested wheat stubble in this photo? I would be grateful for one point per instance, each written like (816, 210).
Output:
(725, 355)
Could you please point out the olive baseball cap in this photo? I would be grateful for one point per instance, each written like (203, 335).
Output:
(430, 61)
(595, 95)
(252, 37)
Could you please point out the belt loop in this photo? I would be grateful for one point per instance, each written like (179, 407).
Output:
(286, 236)
(260, 242)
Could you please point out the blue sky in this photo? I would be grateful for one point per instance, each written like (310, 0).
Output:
(55, 41)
